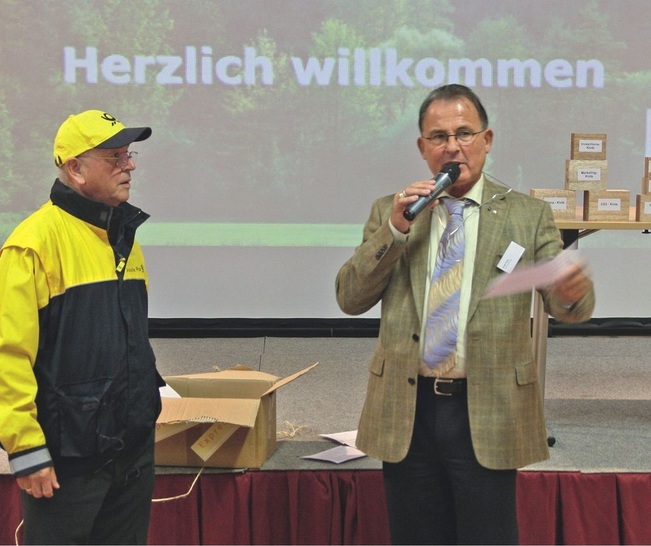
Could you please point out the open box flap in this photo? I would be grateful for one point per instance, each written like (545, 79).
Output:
(289, 379)
(225, 384)
(238, 411)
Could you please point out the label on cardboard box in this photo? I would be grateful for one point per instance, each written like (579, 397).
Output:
(590, 146)
(647, 207)
(211, 440)
(166, 430)
(584, 175)
(609, 204)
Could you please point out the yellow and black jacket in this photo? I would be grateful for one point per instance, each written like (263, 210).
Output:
(78, 380)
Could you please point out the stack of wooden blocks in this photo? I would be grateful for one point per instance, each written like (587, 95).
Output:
(587, 171)
(643, 201)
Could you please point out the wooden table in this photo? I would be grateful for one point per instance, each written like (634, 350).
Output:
(571, 230)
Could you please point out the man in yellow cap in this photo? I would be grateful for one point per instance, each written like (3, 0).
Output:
(78, 382)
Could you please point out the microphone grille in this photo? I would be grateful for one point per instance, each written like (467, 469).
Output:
(452, 169)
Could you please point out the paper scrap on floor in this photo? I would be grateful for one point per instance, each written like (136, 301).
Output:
(346, 438)
(339, 454)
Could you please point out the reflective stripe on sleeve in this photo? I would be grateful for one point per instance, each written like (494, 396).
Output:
(31, 461)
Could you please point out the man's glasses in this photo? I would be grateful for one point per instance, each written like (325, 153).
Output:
(120, 160)
(463, 138)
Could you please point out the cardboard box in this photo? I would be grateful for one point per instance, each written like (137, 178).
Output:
(222, 419)
(643, 208)
(562, 202)
(610, 205)
(588, 146)
(583, 174)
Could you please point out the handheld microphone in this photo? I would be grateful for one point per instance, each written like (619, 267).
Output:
(448, 176)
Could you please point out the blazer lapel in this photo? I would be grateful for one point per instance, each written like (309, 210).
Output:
(492, 219)
(418, 257)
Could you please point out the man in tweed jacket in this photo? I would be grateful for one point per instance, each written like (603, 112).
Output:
(451, 445)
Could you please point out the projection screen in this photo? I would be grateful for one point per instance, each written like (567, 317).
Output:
(276, 123)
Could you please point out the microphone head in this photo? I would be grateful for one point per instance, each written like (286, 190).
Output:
(452, 170)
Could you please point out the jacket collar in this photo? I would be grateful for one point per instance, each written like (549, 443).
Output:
(111, 219)
(118, 222)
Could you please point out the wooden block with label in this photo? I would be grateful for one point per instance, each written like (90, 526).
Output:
(562, 202)
(646, 185)
(646, 179)
(583, 174)
(590, 146)
(643, 208)
(607, 205)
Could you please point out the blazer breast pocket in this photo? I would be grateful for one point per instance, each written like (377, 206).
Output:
(525, 374)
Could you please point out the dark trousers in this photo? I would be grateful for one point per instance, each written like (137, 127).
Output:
(109, 506)
(440, 494)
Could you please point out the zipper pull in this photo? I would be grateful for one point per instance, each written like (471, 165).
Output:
(121, 265)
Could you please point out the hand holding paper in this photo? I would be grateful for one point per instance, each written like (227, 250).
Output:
(540, 275)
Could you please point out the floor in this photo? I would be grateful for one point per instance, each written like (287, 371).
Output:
(597, 395)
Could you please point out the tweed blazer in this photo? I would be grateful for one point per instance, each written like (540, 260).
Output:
(504, 397)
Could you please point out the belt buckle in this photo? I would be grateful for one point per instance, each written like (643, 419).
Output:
(438, 380)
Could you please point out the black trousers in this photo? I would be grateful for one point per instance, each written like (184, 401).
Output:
(109, 506)
(440, 494)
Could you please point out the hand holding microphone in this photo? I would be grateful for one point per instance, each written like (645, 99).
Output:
(448, 176)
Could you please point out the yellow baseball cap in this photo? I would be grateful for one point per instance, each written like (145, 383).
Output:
(93, 129)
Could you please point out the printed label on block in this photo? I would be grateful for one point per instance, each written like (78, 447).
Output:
(590, 146)
(585, 175)
(557, 203)
(609, 204)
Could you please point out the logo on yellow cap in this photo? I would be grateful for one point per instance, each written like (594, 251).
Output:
(82, 132)
(109, 117)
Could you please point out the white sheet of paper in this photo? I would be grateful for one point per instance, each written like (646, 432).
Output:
(337, 455)
(346, 438)
(168, 392)
(526, 278)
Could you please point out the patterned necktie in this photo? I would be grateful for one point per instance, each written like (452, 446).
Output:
(443, 303)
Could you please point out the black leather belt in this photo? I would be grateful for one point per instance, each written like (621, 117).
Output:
(443, 386)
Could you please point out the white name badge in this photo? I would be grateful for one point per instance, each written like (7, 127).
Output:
(511, 257)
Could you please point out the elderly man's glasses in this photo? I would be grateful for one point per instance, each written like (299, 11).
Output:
(120, 160)
(463, 138)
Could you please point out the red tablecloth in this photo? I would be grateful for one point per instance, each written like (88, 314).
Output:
(347, 507)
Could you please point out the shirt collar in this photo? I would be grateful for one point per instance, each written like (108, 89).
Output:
(473, 194)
